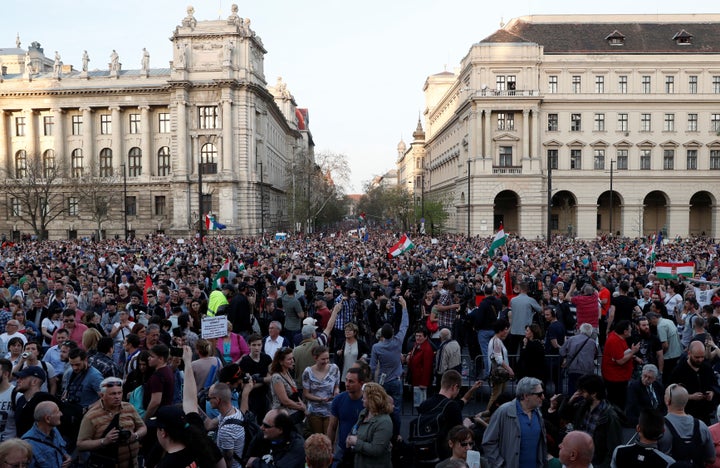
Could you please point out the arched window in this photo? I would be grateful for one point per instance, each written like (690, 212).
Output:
(134, 162)
(106, 162)
(76, 158)
(208, 159)
(20, 164)
(48, 163)
(163, 161)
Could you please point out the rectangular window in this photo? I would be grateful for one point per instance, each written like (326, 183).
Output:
(668, 159)
(73, 205)
(554, 222)
(692, 122)
(576, 159)
(15, 207)
(669, 84)
(130, 206)
(645, 123)
(692, 84)
(134, 123)
(164, 122)
(692, 160)
(552, 84)
(599, 159)
(505, 121)
(105, 124)
(501, 121)
(552, 122)
(622, 122)
(715, 122)
(576, 84)
(622, 159)
(511, 85)
(599, 122)
(714, 159)
(669, 125)
(645, 159)
(552, 158)
(208, 117)
(500, 82)
(19, 126)
(506, 156)
(599, 84)
(76, 124)
(646, 84)
(575, 122)
(716, 84)
(622, 84)
(48, 124)
(160, 205)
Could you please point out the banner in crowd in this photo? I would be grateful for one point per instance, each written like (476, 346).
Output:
(671, 270)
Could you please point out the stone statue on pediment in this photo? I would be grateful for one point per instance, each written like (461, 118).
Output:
(114, 62)
(57, 66)
(145, 63)
(28, 64)
(234, 18)
(189, 20)
(85, 61)
(281, 88)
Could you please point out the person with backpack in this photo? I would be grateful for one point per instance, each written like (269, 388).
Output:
(644, 452)
(231, 435)
(686, 438)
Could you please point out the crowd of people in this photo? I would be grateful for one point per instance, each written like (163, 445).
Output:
(106, 361)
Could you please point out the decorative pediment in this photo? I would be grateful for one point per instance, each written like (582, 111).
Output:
(600, 144)
(553, 143)
(692, 144)
(506, 137)
(623, 144)
(714, 143)
(670, 144)
(576, 143)
(647, 144)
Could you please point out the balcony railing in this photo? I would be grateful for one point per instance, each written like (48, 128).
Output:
(508, 93)
(507, 169)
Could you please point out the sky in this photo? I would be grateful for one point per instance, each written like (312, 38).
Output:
(359, 67)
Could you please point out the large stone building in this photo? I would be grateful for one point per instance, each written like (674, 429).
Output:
(151, 131)
(617, 117)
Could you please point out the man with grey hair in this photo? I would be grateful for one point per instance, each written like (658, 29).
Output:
(448, 356)
(644, 393)
(579, 353)
(275, 340)
(303, 352)
(516, 435)
(47, 444)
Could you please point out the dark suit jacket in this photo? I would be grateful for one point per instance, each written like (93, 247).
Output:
(638, 399)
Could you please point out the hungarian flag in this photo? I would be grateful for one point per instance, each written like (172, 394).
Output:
(146, 288)
(403, 245)
(651, 254)
(498, 241)
(211, 224)
(671, 270)
(362, 217)
(491, 271)
(222, 276)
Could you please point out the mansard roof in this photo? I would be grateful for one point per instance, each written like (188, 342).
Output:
(588, 34)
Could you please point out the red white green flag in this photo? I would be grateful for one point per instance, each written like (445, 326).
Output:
(403, 245)
(222, 275)
(671, 270)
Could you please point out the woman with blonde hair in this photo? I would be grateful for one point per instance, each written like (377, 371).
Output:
(15, 452)
(207, 366)
(90, 338)
(370, 438)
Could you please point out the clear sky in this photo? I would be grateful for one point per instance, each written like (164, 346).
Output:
(358, 66)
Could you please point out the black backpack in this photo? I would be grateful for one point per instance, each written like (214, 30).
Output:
(687, 449)
(252, 429)
(425, 434)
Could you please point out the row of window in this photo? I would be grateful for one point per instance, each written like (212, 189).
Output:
(73, 206)
(622, 84)
(621, 159)
(76, 127)
(622, 122)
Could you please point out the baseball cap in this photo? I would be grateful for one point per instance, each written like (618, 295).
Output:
(168, 416)
(310, 321)
(31, 371)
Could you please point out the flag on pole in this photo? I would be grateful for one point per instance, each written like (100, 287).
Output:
(146, 288)
(211, 224)
(671, 270)
(222, 276)
(170, 262)
(650, 257)
(498, 241)
(491, 271)
(362, 217)
(403, 245)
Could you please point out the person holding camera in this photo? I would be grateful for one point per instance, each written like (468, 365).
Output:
(111, 430)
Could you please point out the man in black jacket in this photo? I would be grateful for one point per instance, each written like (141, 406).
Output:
(278, 443)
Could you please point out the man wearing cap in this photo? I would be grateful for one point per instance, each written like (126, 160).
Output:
(28, 385)
(96, 433)
(47, 444)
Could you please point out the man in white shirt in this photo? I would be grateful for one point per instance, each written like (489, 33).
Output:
(274, 340)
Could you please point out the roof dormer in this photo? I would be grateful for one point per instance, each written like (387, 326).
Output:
(616, 38)
(683, 38)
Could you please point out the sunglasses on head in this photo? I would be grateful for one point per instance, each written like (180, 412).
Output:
(114, 383)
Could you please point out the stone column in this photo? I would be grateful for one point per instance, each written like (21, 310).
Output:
(88, 142)
(632, 220)
(31, 133)
(61, 158)
(526, 134)
(586, 221)
(715, 221)
(678, 220)
(487, 150)
(535, 148)
(182, 138)
(146, 143)
(227, 140)
(4, 138)
(117, 140)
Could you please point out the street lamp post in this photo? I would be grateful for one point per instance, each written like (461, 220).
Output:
(200, 203)
(125, 201)
(468, 197)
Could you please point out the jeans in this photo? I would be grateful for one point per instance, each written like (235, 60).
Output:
(394, 389)
(484, 337)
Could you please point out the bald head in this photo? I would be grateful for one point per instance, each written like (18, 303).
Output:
(676, 397)
(576, 449)
(445, 334)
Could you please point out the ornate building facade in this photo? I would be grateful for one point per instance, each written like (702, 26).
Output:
(206, 135)
(580, 125)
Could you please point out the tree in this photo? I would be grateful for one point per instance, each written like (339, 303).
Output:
(34, 187)
(100, 194)
(387, 202)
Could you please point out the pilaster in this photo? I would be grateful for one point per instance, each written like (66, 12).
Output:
(586, 221)
(678, 221)
(117, 141)
(88, 141)
(146, 142)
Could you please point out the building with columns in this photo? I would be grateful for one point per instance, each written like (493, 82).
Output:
(210, 111)
(581, 125)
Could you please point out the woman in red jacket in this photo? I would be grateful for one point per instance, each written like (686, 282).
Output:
(420, 366)
(618, 361)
